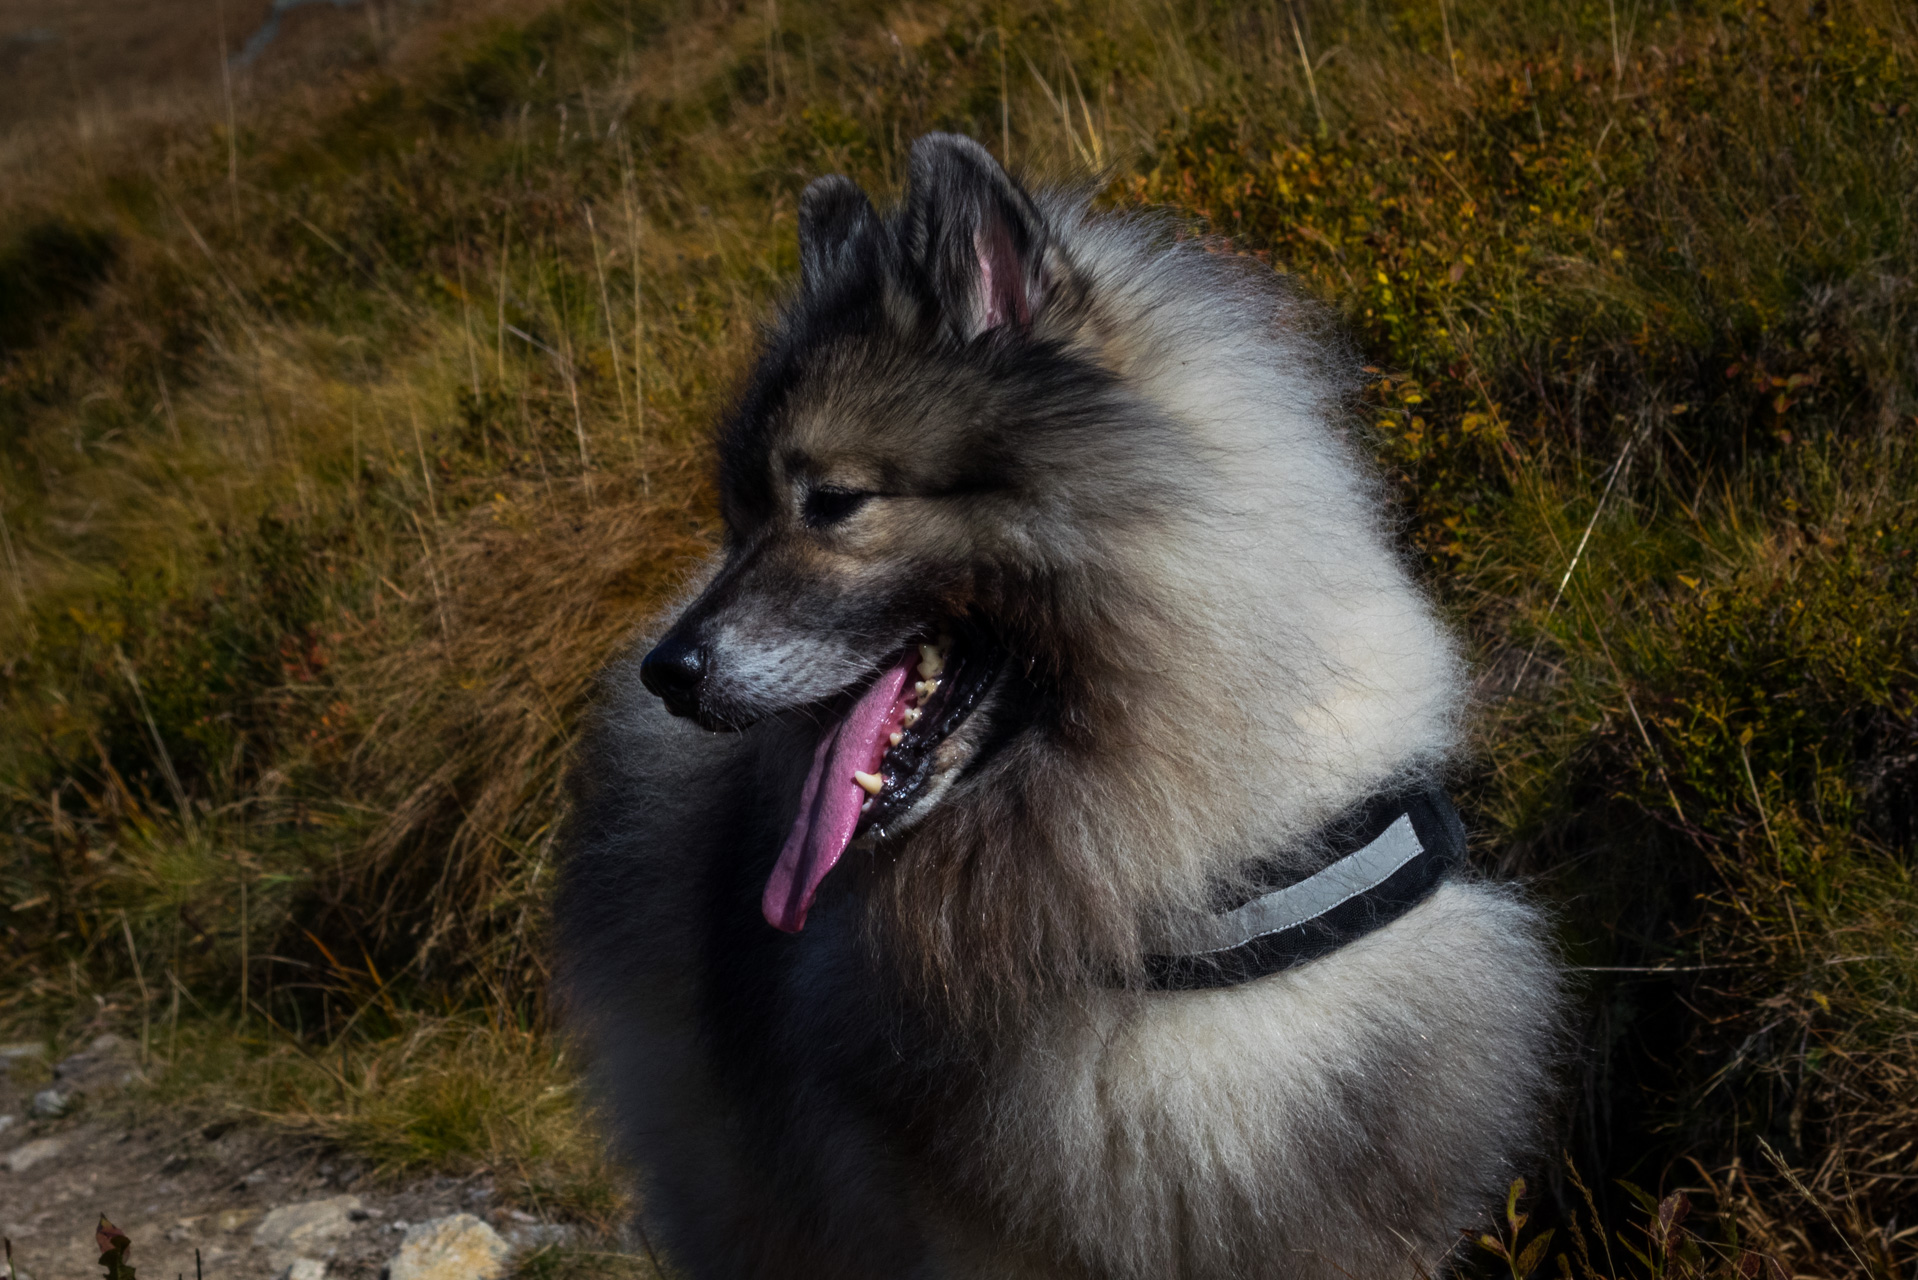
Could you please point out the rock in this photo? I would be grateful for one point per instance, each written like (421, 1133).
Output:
(304, 1269)
(28, 1154)
(234, 1219)
(460, 1247)
(294, 1231)
(50, 1104)
(107, 1063)
(6, 1123)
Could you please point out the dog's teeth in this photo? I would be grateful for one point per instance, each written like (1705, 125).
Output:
(911, 717)
(895, 738)
(872, 782)
(932, 661)
(865, 806)
(925, 689)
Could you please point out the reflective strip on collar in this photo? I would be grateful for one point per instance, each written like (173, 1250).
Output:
(1392, 852)
(1318, 893)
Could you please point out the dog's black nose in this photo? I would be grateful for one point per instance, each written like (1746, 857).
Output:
(673, 671)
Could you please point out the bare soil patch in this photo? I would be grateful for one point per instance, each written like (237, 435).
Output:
(191, 1180)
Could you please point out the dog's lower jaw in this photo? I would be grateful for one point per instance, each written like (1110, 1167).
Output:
(951, 760)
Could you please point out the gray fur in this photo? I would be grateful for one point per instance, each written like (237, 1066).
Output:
(953, 1071)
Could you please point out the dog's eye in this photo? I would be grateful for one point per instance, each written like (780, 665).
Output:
(829, 506)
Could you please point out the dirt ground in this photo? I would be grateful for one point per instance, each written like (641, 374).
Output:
(177, 1183)
(92, 60)
(67, 56)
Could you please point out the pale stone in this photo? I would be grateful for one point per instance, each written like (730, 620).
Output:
(49, 1104)
(28, 1154)
(234, 1219)
(460, 1247)
(106, 1063)
(296, 1230)
(304, 1269)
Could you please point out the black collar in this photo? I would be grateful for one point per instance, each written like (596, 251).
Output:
(1390, 854)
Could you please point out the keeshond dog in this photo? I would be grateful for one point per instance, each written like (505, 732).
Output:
(1057, 640)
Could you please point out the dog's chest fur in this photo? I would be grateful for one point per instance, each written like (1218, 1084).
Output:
(791, 1117)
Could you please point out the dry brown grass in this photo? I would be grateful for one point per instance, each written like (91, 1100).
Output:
(522, 605)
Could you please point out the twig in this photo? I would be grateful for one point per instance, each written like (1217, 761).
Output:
(1618, 466)
(1765, 822)
(1005, 106)
(631, 180)
(139, 977)
(1658, 761)
(159, 747)
(466, 318)
(524, 336)
(166, 402)
(432, 575)
(1618, 58)
(232, 132)
(13, 565)
(419, 446)
(1451, 54)
(499, 341)
(1311, 81)
(606, 311)
(1745, 759)
(246, 964)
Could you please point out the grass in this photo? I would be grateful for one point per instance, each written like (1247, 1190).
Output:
(343, 443)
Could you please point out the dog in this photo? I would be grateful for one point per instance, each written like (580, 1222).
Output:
(1057, 640)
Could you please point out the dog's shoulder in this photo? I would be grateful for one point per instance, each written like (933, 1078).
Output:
(651, 812)
(637, 765)
(666, 821)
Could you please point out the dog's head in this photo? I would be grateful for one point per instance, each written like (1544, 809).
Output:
(881, 485)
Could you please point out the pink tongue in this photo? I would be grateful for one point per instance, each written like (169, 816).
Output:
(829, 804)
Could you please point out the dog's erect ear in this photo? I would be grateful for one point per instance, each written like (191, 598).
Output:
(834, 218)
(977, 238)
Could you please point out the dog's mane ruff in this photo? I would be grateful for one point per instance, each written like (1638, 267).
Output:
(1228, 684)
(954, 1072)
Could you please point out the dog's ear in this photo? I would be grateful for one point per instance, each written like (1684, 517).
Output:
(977, 239)
(835, 218)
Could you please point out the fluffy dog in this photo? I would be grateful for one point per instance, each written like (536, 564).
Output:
(1056, 613)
